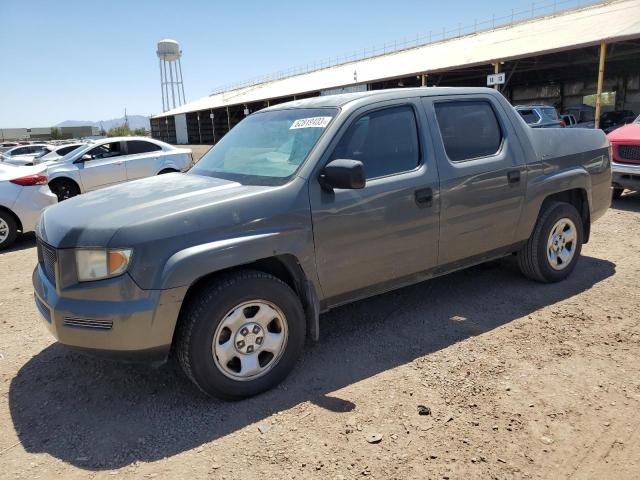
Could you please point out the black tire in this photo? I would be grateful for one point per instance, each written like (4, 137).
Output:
(532, 258)
(167, 170)
(616, 193)
(9, 228)
(207, 309)
(64, 188)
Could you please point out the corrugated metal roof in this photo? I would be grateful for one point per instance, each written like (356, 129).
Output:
(611, 21)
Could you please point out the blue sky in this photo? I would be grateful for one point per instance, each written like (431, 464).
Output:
(83, 60)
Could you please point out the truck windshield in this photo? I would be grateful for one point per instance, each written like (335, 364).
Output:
(266, 148)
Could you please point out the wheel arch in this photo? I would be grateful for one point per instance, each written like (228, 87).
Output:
(64, 178)
(579, 199)
(13, 215)
(286, 268)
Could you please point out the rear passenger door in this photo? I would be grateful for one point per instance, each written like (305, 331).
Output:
(142, 159)
(482, 175)
(369, 238)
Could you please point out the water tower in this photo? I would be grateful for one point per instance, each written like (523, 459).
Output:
(169, 58)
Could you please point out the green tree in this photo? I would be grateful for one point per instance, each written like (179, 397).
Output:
(55, 133)
(119, 131)
(139, 132)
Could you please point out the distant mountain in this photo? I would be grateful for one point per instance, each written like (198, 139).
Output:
(135, 121)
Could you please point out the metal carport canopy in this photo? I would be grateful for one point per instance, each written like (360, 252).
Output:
(612, 21)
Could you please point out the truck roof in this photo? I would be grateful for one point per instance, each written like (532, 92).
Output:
(342, 99)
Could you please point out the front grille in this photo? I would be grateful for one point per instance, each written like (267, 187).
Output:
(629, 153)
(88, 323)
(48, 257)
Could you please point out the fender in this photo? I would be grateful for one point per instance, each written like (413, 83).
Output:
(190, 264)
(543, 183)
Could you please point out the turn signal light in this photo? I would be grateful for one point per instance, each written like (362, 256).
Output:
(30, 180)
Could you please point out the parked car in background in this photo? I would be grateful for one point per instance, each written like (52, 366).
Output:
(24, 193)
(56, 152)
(609, 121)
(306, 206)
(114, 160)
(540, 116)
(22, 154)
(625, 146)
(4, 146)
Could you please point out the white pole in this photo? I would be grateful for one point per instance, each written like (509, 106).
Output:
(173, 95)
(164, 109)
(184, 100)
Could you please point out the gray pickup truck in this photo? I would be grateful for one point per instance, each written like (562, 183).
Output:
(306, 206)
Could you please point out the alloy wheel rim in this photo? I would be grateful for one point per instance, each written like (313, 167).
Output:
(250, 340)
(4, 230)
(561, 245)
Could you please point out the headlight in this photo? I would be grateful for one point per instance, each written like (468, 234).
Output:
(94, 264)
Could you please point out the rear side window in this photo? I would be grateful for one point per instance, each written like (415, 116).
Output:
(468, 129)
(140, 146)
(385, 141)
(530, 116)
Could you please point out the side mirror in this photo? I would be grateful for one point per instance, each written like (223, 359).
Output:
(84, 158)
(341, 173)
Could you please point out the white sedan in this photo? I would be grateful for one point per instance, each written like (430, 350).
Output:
(22, 154)
(23, 195)
(114, 160)
(54, 152)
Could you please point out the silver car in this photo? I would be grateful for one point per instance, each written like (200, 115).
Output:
(114, 160)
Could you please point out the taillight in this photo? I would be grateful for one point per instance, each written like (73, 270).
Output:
(30, 180)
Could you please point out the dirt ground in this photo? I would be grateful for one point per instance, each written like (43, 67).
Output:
(522, 380)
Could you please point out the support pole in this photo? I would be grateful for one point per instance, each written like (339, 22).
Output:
(164, 109)
(603, 54)
(496, 69)
(424, 79)
(228, 120)
(166, 83)
(184, 100)
(173, 95)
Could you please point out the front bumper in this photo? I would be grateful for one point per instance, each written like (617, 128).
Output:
(626, 176)
(113, 318)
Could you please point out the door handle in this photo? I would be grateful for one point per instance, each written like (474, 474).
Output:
(424, 197)
(513, 176)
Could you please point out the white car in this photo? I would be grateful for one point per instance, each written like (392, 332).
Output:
(24, 193)
(54, 152)
(114, 160)
(22, 154)
(4, 146)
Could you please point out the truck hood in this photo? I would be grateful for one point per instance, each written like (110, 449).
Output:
(626, 133)
(174, 201)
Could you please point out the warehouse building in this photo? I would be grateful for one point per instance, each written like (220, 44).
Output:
(554, 59)
(46, 133)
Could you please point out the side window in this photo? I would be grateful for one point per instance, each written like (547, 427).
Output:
(468, 129)
(385, 141)
(140, 146)
(530, 116)
(108, 150)
(64, 150)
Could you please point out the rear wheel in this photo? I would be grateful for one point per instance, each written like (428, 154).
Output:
(552, 251)
(241, 334)
(64, 188)
(8, 229)
(167, 170)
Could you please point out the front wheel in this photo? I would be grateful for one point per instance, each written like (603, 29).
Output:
(241, 334)
(552, 251)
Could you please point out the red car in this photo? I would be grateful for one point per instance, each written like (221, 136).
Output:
(625, 143)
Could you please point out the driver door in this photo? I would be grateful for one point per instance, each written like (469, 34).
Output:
(103, 166)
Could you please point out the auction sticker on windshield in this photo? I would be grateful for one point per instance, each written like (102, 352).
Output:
(312, 122)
